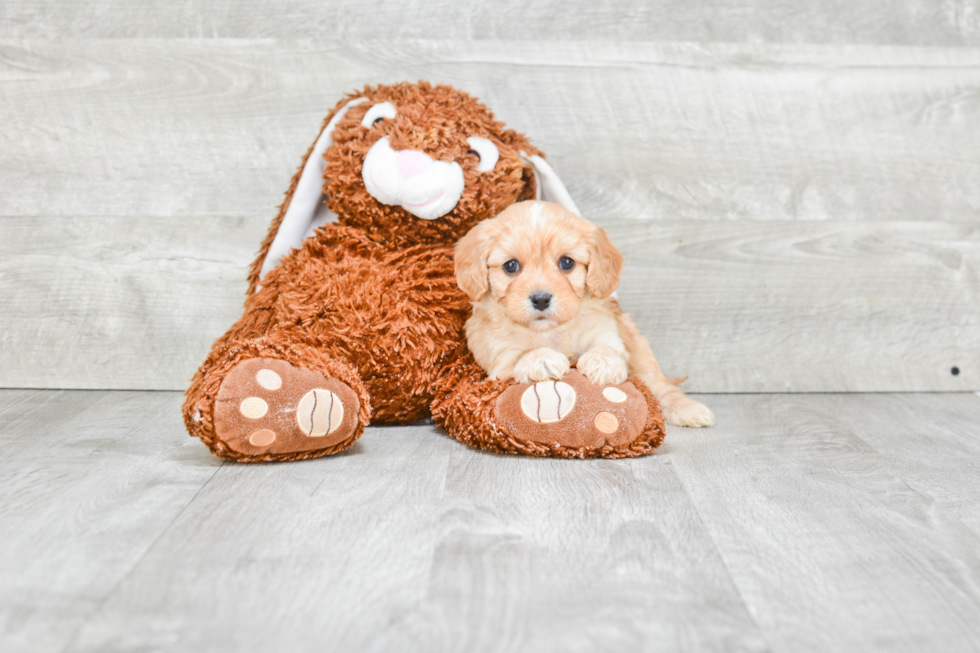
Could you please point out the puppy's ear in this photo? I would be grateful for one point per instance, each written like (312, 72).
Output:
(471, 255)
(605, 266)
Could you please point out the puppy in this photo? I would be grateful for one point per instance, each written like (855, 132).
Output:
(540, 278)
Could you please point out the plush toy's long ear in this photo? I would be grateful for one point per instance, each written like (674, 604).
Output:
(305, 210)
(550, 186)
(605, 265)
(472, 250)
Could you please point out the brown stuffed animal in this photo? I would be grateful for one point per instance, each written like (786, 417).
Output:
(360, 320)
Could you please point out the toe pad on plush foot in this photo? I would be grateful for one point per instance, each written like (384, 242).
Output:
(267, 406)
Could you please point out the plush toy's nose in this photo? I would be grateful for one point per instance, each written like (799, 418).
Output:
(411, 163)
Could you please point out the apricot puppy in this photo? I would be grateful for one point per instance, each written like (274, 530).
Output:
(541, 280)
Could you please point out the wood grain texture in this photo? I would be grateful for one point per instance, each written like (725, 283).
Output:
(804, 216)
(843, 519)
(122, 303)
(910, 22)
(412, 542)
(807, 307)
(798, 523)
(88, 483)
(651, 131)
(739, 306)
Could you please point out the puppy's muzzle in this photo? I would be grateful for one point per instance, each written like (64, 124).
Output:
(541, 301)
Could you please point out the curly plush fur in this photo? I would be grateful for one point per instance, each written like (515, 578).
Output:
(372, 301)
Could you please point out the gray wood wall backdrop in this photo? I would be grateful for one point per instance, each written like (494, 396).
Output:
(796, 187)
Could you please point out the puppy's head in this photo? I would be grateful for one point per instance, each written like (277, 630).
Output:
(538, 261)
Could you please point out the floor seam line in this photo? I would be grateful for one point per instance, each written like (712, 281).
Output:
(156, 540)
(724, 563)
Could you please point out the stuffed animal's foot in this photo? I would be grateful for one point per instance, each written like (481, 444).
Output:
(576, 417)
(271, 409)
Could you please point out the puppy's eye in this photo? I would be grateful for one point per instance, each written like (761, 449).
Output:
(512, 267)
(566, 263)
(378, 113)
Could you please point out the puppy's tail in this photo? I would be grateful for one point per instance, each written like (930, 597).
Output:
(677, 380)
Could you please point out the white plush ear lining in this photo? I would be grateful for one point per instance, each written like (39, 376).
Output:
(306, 210)
(550, 187)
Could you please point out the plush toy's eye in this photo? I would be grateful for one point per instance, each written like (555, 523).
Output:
(474, 153)
(378, 113)
(512, 267)
(566, 263)
(486, 151)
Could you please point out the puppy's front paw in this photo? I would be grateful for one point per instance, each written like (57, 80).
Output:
(687, 412)
(602, 368)
(541, 365)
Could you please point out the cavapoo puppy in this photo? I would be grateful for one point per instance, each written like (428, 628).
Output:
(540, 278)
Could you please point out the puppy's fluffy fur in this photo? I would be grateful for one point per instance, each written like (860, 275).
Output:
(540, 278)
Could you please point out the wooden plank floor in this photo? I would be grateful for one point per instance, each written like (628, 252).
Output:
(799, 523)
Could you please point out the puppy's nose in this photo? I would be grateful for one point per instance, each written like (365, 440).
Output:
(541, 300)
(411, 163)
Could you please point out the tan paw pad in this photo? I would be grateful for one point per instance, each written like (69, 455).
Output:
(614, 395)
(606, 422)
(320, 412)
(262, 438)
(254, 408)
(268, 379)
(548, 401)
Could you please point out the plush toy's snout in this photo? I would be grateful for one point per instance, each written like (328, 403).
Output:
(413, 180)
(426, 188)
(425, 176)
